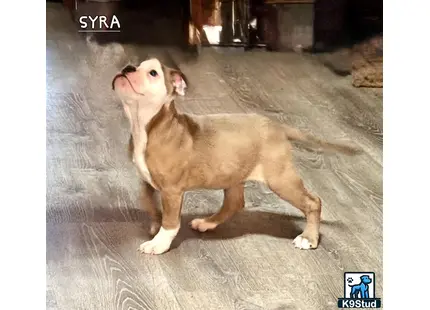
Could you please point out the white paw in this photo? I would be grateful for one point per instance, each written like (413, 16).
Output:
(302, 243)
(160, 243)
(201, 225)
(154, 247)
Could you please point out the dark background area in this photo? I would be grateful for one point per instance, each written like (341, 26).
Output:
(346, 22)
(336, 23)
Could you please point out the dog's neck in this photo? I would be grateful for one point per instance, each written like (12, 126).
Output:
(140, 113)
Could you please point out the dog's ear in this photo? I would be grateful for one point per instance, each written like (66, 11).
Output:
(175, 80)
(179, 82)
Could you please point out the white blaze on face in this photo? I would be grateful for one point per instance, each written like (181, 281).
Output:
(151, 81)
(145, 84)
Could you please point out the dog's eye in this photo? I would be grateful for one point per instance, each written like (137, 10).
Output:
(153, 73)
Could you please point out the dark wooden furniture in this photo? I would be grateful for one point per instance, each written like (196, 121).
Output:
(275, 24)
(288, 24)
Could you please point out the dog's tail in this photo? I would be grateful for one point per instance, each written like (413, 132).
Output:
(296, 135)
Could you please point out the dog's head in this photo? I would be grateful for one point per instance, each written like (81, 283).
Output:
(365, 279)
(151, 81)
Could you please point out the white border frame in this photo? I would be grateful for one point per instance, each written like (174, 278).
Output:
(23, 155)
(406, 160)
(406, 157)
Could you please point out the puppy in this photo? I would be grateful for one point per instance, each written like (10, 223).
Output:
(176, 152)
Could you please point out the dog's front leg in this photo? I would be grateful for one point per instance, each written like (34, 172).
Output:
(170, 224)
(149, 205)
(365, 292)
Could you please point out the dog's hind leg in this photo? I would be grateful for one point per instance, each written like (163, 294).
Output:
(286, 183)
(233, 201)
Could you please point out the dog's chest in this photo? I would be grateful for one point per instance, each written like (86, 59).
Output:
(142, 167)
(140, 162)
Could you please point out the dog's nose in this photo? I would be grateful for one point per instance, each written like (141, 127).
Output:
(124, 71)
(128, 69)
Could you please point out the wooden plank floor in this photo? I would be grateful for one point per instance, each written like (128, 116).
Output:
(94, 225)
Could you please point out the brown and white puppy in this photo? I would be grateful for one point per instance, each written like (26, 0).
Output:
(176, 152)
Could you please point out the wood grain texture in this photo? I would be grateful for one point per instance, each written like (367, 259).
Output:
(94, 225)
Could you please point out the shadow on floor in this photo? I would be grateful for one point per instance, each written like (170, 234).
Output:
(244, 223)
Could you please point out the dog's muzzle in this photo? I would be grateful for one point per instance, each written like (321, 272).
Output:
(123, 73)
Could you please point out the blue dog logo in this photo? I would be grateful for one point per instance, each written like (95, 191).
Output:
(360, 290)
